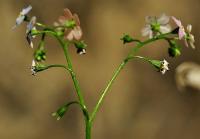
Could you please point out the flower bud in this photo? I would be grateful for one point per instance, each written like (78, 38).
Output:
(60, 112)
(127, 39)
(40, 55)
(174, 50)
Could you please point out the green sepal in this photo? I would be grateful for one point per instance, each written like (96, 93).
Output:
(34, 31)
(156, 63)
(155, 27)
(70, 23)
(40, 67)
(80, 45)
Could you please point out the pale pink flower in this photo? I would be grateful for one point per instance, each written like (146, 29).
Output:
(70, 34)
(164, 66)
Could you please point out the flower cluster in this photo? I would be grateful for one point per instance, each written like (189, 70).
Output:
(67, 27)
(156, 26)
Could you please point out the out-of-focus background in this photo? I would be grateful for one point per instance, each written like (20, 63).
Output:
(143, 104)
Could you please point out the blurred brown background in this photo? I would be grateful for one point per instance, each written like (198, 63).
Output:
(142, 104)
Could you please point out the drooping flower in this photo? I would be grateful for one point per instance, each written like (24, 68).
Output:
(22, 16)
(186, 35)
(81, 51)
(156, 25)
(33, 68)
(164, 66)
(30, 27)
(71, 24)
(37, 67)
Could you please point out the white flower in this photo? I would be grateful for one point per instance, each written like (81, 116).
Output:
(33, 68)
(30, 27)
(164, 66)
(156, 25)
(81, 51)
(22, 15)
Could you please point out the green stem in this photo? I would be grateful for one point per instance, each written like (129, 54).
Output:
(73, 75)
(88, 129)
(116, 73)
(77, 87)
(50, 32)
(58, 66)
(121, 66)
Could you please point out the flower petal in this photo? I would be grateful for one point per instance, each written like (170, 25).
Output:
(76, 19)
(31, 24)
(19, 20)
(178, 22)
(163, 19)
(165, 29)
(26, 10)
(189, 28)
(70, 35)
(146, 30)
(67, 14)
(150, 19)
(181, 33)
(78, 33)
